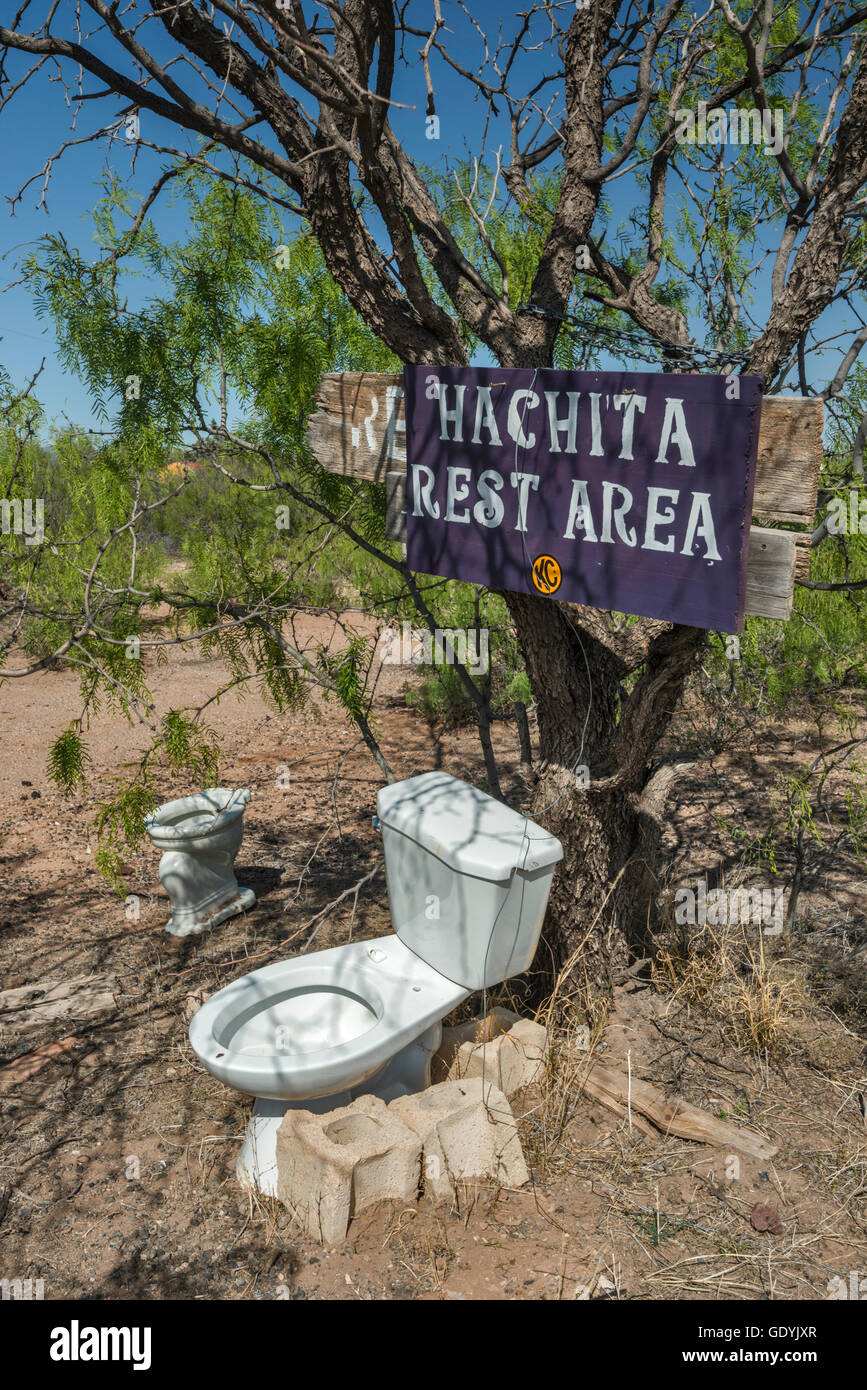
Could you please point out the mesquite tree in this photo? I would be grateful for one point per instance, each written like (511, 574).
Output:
(574, 98)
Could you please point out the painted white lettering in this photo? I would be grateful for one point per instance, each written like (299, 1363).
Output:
(515, 427)
(452, 417)
(580, 515)
(421, 492)
(485, 418)
(629, 404)
(570, 424)
(655, 517)
(458, 491)
(488, 511)
(524, 481)
(595, 426)
(674, 431)
(616, 513)
(700, 512)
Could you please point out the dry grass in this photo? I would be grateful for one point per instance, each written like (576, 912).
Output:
(570, 1048)
(729, 973)
(419, 1244)
(575, 1027)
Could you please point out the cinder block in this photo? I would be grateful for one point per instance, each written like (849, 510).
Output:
(475, 1030)
(467, 1131)
(331, 1166)
(509, 1060)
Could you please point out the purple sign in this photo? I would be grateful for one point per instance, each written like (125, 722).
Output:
(624, 490)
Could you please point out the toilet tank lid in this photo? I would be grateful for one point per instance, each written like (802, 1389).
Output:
(464, 827)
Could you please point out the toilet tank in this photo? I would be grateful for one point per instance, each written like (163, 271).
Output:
(468, 878)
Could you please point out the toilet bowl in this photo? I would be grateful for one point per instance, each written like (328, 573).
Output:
(200, 837)
(468, 882)
(321, 1024)
(316, 1031)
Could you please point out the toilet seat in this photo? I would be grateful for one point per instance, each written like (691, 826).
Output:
(261, 1034)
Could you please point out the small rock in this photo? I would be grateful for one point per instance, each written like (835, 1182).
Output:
(765, 1218)
(193, 1002)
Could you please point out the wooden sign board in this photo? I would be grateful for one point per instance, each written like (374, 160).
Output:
(359, 431)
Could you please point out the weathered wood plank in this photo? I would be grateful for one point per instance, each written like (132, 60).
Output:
(770, 573)
(360, 425)
(395, 506)
(671, 1114)
(803, 555)
(24, 1009)
(789, 458)
(359, 431)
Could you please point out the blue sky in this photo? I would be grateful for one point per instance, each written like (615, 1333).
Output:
(38, 122)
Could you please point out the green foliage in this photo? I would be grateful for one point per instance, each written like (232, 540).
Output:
(793, 803)
(466, 609)
(120, 825)
(67, 760)
(183, 746)
(220, 539)
(730, 193)
(507, 251)
(758, 850)
(856, 809)
(240, 329)
(190, 748)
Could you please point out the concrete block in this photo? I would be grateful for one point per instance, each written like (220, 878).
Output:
(509, 1060)
(474, 1030)
(467, 1131)
(331, 1166)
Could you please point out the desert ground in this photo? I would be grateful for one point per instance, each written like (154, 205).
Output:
(118, 1152)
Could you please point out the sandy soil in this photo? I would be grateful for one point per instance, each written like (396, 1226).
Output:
(117, 1157)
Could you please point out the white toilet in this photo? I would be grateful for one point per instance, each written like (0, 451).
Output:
(468, 883)
(199, 837)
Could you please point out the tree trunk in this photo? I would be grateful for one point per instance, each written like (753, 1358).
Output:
(524, 742)
(597, 788)
(588, 924)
